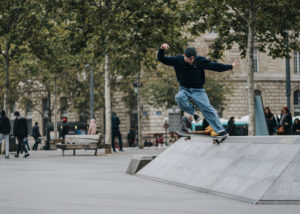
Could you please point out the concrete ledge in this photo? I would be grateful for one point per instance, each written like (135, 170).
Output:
(138, 162)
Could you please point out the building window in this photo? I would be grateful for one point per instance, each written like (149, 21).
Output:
(174, 122)
(255, 59)
(28, 109)
(257, 92)
(64, 106)
(297, 62)
(297, 103)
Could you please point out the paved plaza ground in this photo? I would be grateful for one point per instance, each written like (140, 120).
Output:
(47, 182)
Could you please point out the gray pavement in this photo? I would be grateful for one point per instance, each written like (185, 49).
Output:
(46, 182)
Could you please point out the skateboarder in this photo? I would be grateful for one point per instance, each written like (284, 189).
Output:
(190, 74)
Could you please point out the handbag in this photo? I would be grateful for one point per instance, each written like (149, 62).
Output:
(280, 130)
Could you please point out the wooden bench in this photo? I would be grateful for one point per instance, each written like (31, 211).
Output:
(86, 142)
(54, 142)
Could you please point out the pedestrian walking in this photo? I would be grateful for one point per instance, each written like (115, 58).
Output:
(36, 136)
(26, 143)
(20, 131)
(4, 132)
(92, 127)
(115, 122)
(190, 74)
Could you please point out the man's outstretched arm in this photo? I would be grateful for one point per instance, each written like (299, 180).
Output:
(171, 60)
(214, 66)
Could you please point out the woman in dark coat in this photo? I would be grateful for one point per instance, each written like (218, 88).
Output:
(271, 121)
(285, 122)
(296, 127)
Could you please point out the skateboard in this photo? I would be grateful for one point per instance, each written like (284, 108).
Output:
(216, 139)
(186, 136)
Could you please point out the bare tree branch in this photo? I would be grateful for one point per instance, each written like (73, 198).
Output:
(238, 13)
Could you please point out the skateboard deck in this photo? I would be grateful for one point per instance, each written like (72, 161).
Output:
(216, 139)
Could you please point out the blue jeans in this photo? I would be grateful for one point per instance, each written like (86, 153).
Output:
(199, 96)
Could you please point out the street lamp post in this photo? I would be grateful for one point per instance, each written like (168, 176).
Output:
(92, 99)
(288, 76)
(140, 136)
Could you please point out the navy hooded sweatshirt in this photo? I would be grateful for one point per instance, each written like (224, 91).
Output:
(191, 76)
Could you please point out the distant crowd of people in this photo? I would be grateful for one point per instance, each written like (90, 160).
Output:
(282, 124)
(20, 132)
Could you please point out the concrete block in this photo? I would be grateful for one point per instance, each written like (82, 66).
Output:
(138, 162)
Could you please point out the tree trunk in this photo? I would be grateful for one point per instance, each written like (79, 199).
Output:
(55, 109)
(6, 58)
(250, 68)
(6, 89)
(49, 105)
(107, 107)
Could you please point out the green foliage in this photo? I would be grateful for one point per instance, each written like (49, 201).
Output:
(231, 20)
(56, 39)
(216, 90)
(18, 19)
(160, 88)
(130, 31)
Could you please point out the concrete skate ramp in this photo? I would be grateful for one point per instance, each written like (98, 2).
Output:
(259, 169)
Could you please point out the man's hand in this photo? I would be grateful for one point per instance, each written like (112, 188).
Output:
(235, 64)
(164, 46)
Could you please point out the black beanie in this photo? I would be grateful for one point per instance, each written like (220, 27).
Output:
(190, 51)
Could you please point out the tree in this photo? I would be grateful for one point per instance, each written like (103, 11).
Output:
(17, 21)
(111, 29)
(260, 23)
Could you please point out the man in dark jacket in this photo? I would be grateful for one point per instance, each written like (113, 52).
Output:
(20, 131)
(36, 134)
(115, 122)
(65, 128)
(189, 69)
(4, 132)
